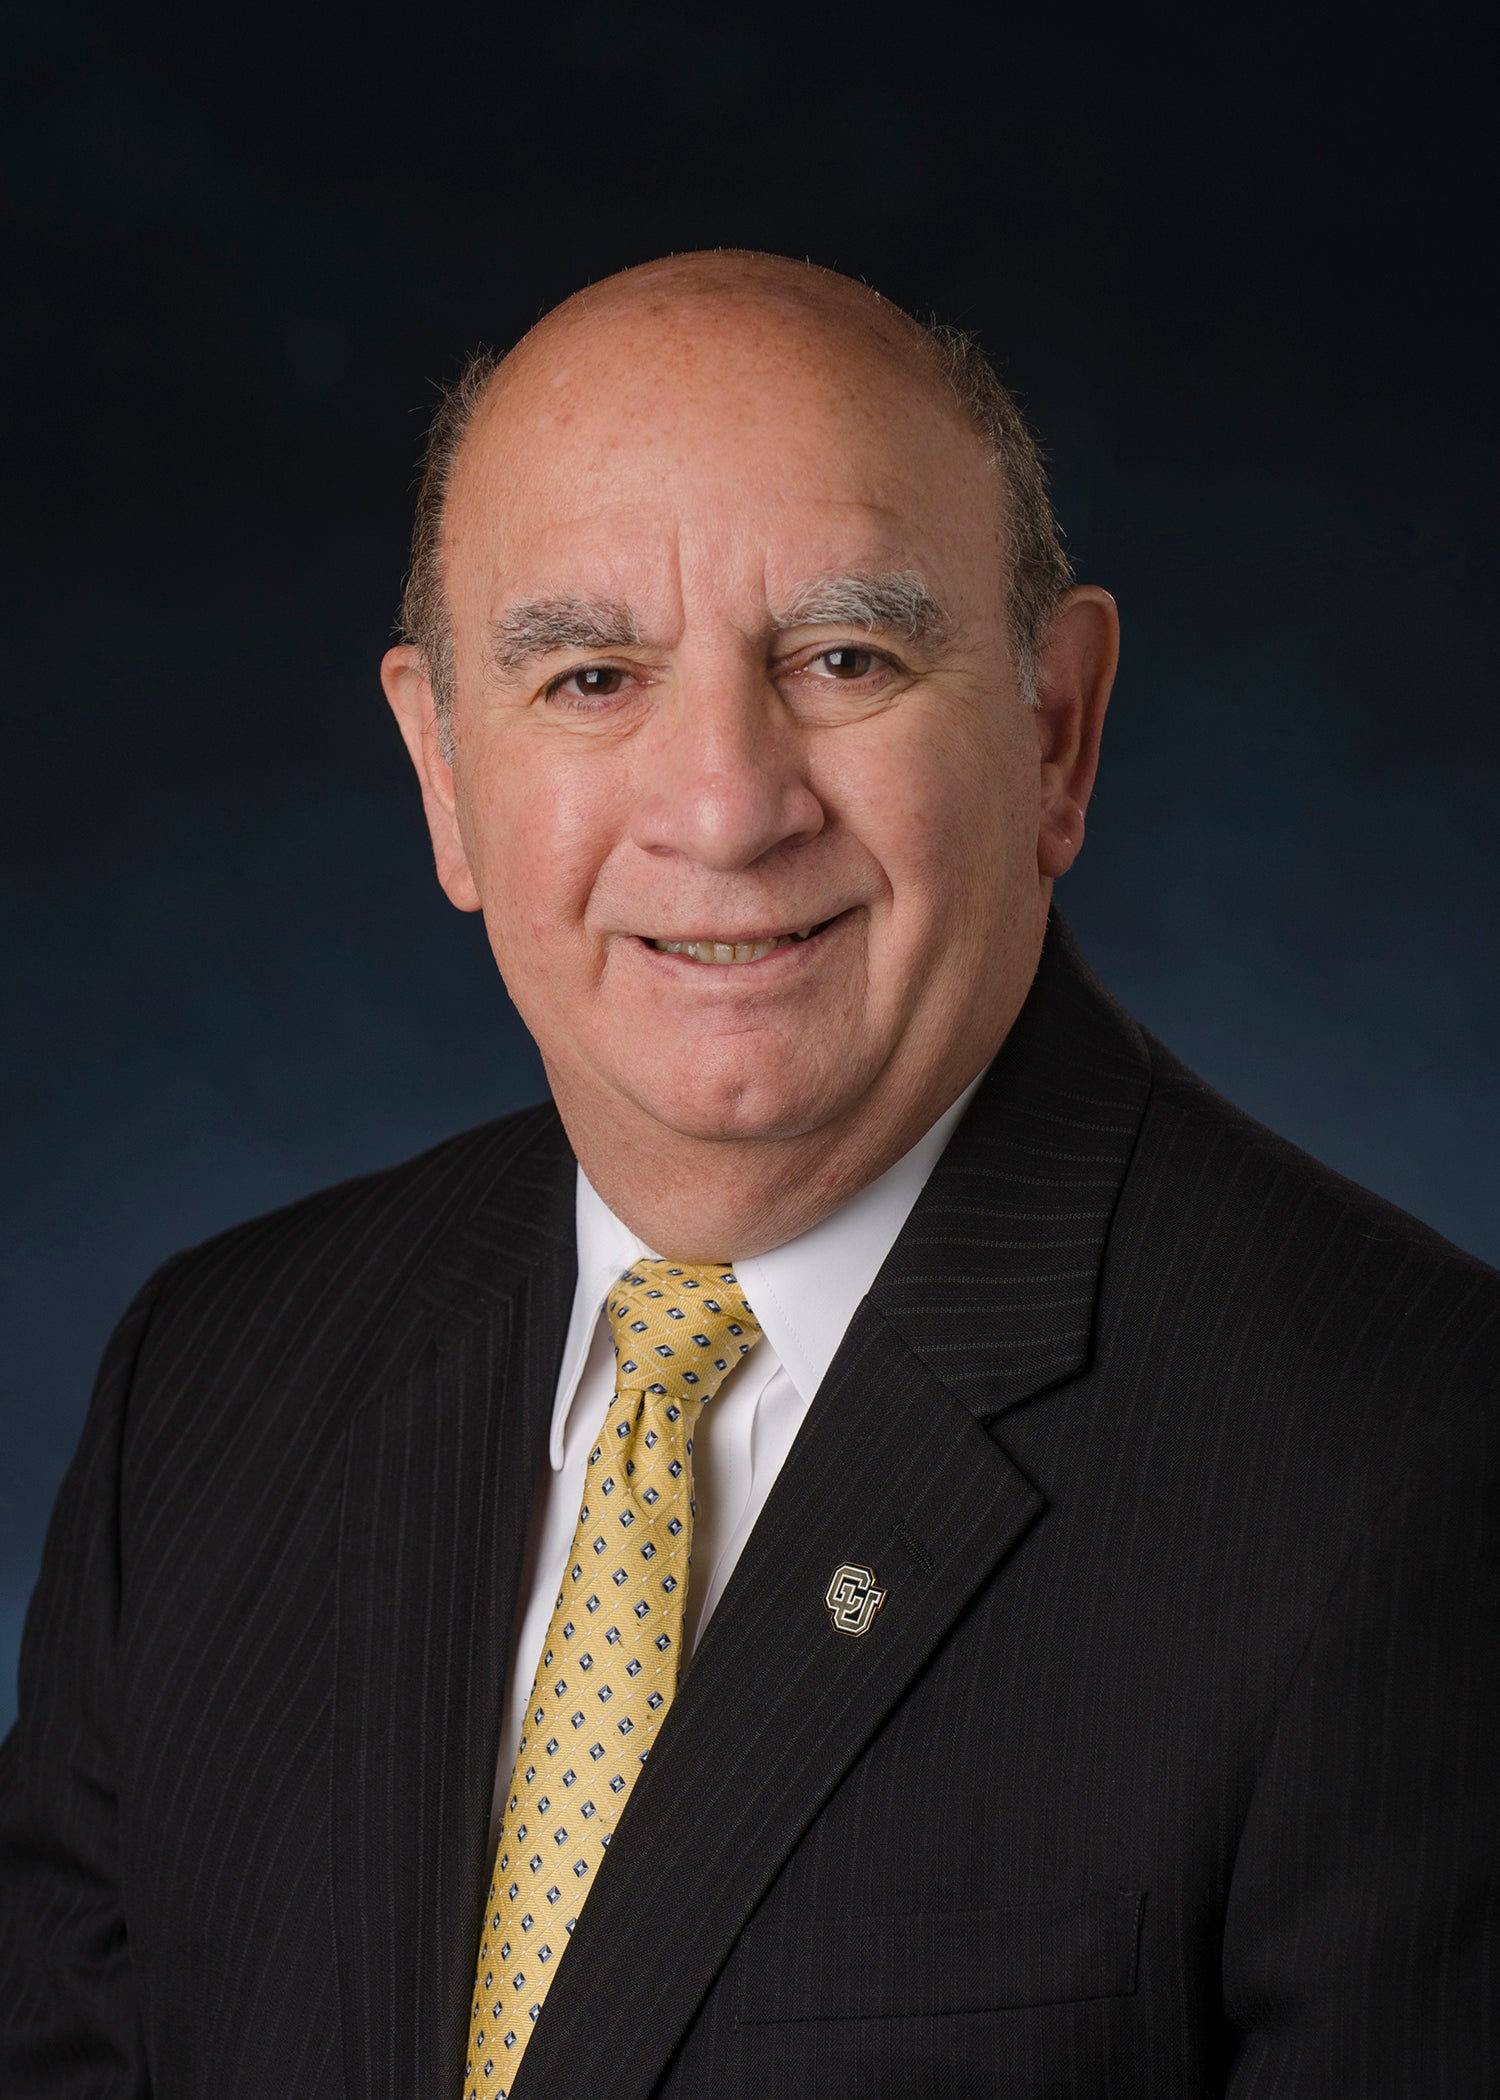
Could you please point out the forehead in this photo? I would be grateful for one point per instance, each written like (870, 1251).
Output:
(638, 443)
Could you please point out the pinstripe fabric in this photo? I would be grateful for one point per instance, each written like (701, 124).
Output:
(1186, 1526)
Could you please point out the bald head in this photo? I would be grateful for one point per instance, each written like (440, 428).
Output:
(780, 322)
(738, 288)
(728, 582)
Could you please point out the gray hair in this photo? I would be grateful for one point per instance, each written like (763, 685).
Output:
(1038, 573)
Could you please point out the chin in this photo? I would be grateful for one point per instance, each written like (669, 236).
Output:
(756, 1101)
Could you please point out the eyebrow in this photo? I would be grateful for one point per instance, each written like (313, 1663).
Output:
(541, 626)
(897, 600)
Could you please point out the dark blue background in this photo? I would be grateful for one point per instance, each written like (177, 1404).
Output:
(1238, 276)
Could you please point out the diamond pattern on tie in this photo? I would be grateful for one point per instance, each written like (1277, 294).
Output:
(610, 1660)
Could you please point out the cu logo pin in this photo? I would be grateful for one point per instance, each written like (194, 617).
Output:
(853, 1599)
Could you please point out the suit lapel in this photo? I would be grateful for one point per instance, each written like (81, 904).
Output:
(439, 1476)
(987, 1300)
(994, 1277)
(777, 1705)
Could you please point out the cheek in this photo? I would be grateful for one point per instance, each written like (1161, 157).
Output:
(941, 808)
(538, 831)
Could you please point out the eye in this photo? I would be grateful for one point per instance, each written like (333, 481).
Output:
(870, 677)
(847, 663)
(588, 682)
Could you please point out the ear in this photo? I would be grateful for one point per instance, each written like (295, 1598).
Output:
(408, 688)
(1077, 670)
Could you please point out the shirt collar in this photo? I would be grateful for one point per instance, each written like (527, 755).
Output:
(803, 1293)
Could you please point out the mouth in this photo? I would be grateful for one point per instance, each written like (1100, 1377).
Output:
(712, 949)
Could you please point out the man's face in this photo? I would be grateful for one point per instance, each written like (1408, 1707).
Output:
(750, 867)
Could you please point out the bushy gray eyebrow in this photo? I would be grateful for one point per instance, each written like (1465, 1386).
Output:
(541, 626)
(897, 600)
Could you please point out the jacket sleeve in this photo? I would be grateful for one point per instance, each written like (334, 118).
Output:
(1362, 1948)
(69, 2028)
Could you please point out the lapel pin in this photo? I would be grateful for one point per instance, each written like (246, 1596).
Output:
(853, 1599)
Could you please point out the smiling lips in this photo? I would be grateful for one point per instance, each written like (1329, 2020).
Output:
(712, 951)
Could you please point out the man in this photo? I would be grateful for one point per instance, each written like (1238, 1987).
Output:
(1091, 1604)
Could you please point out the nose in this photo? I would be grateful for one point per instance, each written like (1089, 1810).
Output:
(722, 778)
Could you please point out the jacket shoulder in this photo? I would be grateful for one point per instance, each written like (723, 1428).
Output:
(1335, 1286)
(351, 1271)
(390, 1210)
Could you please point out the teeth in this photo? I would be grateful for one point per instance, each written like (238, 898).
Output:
(727, 951)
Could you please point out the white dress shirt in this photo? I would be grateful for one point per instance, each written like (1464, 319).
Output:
(804, 1295)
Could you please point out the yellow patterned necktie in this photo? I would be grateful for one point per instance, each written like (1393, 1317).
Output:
(611, 1656)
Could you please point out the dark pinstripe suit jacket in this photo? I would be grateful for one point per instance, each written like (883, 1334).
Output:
(1168, 1769)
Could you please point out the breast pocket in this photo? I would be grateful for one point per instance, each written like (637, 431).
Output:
(948, 1962)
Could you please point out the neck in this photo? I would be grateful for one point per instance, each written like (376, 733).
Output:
(704, 1200)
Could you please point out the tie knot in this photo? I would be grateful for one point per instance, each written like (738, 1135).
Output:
(679, 1329)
